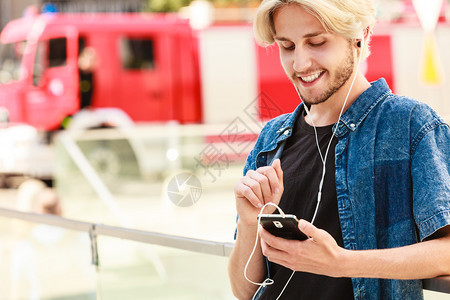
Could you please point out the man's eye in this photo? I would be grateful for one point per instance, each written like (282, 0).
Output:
(317, 44)
(288, 46)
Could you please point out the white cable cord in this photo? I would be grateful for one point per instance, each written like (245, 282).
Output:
(267, 281)
(324, 158)
(256, 244)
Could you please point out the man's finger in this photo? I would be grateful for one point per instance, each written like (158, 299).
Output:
(277, 166)
(273, 183)
(276, 249)
(309, 229)
(264, 185)
(274, 241)
(249, 189)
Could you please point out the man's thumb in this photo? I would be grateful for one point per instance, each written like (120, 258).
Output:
(307, 228)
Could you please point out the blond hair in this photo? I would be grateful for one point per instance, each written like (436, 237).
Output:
(349, 18)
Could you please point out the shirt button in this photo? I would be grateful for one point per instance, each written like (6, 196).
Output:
(286, 132)
(352, 125)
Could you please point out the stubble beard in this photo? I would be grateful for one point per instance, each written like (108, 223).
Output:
(342, 75)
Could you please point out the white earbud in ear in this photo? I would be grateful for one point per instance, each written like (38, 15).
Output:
(360, 43)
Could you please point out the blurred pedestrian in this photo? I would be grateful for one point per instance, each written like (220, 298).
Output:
(87, 64)
(32, 196)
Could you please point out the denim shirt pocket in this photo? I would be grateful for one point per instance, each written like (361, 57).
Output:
(273, 151)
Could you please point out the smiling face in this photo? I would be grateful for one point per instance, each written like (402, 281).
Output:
(317, 62)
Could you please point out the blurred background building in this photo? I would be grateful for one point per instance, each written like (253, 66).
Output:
(12, 9)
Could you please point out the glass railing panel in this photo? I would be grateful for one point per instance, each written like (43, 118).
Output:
(44, 262)
(133, 270)
(154, 202)
(432, 295)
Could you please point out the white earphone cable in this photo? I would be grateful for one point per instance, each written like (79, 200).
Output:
(324, 158)
(267, 281)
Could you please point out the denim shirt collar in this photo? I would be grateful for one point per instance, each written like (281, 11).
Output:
(285, 129)
(362, 106)
(353, 116)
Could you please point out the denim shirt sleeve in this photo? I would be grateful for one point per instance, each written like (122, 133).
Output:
(430, 166)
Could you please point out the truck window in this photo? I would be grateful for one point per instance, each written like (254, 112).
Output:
(10, 59)
(49, 54)
(57, 52)
(137, 53)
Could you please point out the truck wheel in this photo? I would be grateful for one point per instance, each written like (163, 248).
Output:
(111, 159)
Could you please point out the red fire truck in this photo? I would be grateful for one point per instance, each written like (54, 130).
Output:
(147, 66)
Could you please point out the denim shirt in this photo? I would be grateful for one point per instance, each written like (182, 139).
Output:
(392, 177)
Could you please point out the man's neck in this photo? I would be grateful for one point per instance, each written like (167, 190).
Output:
(327, 113)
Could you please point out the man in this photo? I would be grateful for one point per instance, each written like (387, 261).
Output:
(381, 173)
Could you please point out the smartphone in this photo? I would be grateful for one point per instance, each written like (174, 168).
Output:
(282, 226)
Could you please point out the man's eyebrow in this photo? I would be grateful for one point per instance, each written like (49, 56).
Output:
(313, 34)
(281, 39)
(308, 35)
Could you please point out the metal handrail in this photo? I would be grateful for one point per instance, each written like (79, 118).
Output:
(439, 284)
(148, 237)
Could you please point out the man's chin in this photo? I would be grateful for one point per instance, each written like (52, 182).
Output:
(313, 101)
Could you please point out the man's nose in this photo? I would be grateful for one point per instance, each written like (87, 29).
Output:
(302, 60)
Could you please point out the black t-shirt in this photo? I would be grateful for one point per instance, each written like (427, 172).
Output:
(302, 169)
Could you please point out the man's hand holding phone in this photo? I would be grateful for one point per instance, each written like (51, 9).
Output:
(257, 188)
